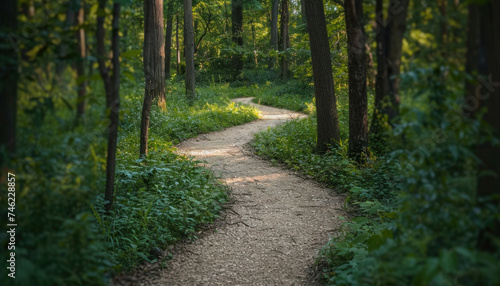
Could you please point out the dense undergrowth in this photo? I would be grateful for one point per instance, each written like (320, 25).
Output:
(415, 216)
(63, 235)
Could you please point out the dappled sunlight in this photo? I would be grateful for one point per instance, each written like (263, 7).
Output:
(254, 178)
(281, 116)
(232, 151)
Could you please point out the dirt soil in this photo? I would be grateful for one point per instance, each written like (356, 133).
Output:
(270, 232)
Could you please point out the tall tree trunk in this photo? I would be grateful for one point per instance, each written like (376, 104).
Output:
(381, 82)
(274, 32)
(285, 17)
(80, 63)
(395, 32)
(253, 42)
(178, 63)
(237, 34)
(154, 64)
(389, 50)
(189, 49)
(443, 5)
(168, 38)
(8, 81)
(484, 20)
(112, 90)
(226, 18)
(303, 12)
(324, 90)
(358, 107)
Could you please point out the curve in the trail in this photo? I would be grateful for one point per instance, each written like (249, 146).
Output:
(276, 223)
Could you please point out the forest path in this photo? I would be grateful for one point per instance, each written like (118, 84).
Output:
(274, 226)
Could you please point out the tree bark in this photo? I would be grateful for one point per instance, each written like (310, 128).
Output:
(274, 32)
(168, 38)
(237, 33)
(324, 90)
(154, 64)
(303, 17)
(285, 17)
(189, 49)
(484, 20)
(358, 107)
(390, 34)
(395, 32)
(381, 83)
(177, 44)
(112, 91)
(443, 5)
(81, 103)
(8, 81)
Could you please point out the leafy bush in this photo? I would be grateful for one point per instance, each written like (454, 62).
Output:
(159, 199)
(431, 237)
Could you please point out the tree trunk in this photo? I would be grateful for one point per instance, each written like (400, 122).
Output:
(177, 44)
(189, 49)
(381, 83)
(358, 108)
(254, 48)
(274, 32)
(303, 12)
(80, 63)
(395, 32)
(389, 50)
(285, 17)
(168, 38)
(112, 90)
(324, 90)
(484, 20)
(154, 64)
(443, 5)
(8, 81)
(237, 32)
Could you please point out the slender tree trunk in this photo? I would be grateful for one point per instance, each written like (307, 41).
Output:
(80, 63)
(443, 5)
(168, 38)
(382, 82)
(484, 20)
(254, 48)
(324, 90)
(237, 32)
(154, 64)
(358, 108)
(226, 18)
(274, 32)
(395, 32)
(112, 90)
(189, 49)
(177, 44)
(8, 81)
(285, 17)
(303, 17)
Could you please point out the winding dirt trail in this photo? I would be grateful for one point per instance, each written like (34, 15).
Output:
(271, 232)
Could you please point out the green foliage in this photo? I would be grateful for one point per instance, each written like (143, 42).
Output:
(292, 95)
(431, 237)
(159, 200)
